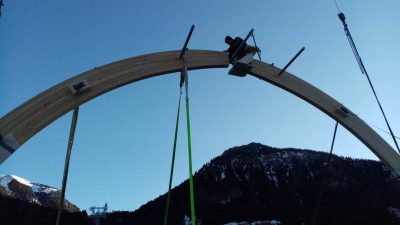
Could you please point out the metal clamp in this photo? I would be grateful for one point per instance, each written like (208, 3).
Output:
(79, 86)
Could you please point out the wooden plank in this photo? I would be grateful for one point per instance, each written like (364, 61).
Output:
(28, 119)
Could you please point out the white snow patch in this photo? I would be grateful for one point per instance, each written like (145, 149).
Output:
(37, 188)
(22, 180)
(247, 176)
(186, 220)
(223, 175)
(4, 181)
(271, 175)
(265, 222)
(394, 211)
(233, 162)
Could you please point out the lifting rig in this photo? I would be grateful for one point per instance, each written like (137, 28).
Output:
(242, 66)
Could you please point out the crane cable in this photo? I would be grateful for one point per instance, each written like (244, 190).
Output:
(363, 70)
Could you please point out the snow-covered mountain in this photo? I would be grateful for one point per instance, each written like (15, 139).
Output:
(255, 183)
(259, 183)
(19, 188)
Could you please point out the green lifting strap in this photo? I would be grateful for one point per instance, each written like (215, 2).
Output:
(190, 164)
(173, 161)
(184, 79)
(189, 142)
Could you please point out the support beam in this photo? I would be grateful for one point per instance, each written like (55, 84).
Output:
(34, 115)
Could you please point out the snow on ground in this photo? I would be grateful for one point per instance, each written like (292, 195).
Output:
(42, 188)
(4, 181)
(394, 211)
(222, 175)
(265, 222)
(22, 180)
(36, 188)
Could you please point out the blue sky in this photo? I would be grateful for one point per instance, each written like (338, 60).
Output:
(124, 138)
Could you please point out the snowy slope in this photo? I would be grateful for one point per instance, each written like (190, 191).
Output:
(25, 190)
(265, 185)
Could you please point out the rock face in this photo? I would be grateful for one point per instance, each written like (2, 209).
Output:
(19, 188)
(260, 183)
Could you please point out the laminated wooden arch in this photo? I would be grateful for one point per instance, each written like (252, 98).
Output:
(25, 121)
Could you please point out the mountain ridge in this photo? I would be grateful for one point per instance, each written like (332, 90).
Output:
(12, 186)
(255, 182)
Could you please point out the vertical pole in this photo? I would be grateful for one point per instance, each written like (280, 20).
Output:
(173, 159)
(241, 45)
(67, 158)
(324, 180)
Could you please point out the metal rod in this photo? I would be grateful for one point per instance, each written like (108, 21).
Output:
(186, 42)
(325, 176)
(67, 158)
(291, 61)
(258, 53)
(241, 45)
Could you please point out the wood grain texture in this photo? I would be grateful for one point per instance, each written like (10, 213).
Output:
(35, 114)
(28, 119)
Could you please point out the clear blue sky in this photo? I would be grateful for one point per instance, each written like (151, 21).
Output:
(124, 138)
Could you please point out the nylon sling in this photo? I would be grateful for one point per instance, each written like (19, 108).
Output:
(192, 209)
(184, 80)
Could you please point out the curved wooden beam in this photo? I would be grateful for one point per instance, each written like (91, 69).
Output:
(25, 121)
(332, 108)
